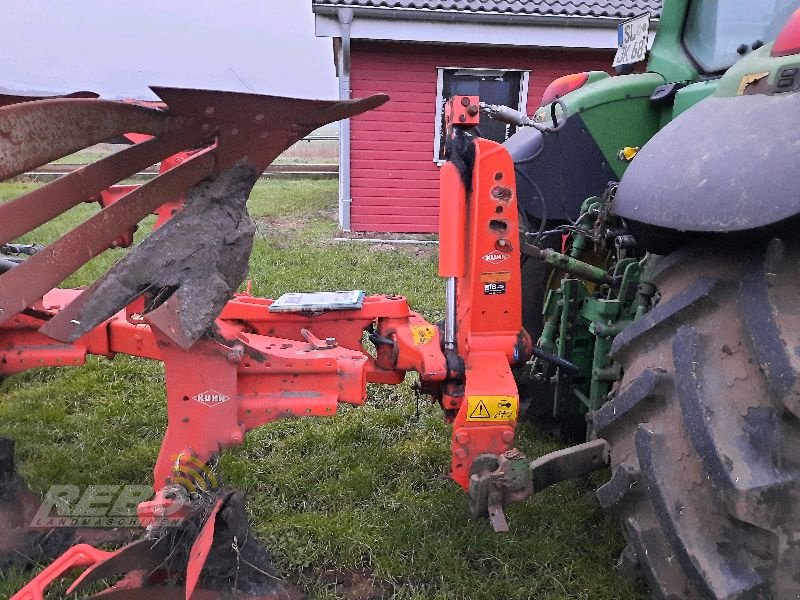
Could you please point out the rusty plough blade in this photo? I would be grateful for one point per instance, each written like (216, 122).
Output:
(229, 139)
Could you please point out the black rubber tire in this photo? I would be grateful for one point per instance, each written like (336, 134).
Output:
(705, 432)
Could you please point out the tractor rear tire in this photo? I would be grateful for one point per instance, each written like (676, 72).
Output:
(705, 431)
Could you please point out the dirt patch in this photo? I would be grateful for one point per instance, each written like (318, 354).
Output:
(423, 250)
(353, 585)
(382, 248)
(284, 228)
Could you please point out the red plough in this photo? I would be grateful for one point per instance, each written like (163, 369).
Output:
(233, 363)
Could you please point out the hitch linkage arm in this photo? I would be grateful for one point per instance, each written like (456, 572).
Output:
(515, 479)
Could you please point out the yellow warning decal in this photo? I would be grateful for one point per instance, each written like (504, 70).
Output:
(422, 334)
(492, 408)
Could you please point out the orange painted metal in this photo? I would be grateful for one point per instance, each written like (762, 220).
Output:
(462, 111)
(200, 549)
(487, 374)
(489, 332)
(257, 370)
(81, 555)
(490, 293)
(452, 222)
(165, 212)
(141, 556)
(262, 366)
(107, 198)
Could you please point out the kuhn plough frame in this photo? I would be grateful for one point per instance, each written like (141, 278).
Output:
(231, 364)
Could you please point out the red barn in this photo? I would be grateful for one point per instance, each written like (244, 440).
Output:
(421, 52)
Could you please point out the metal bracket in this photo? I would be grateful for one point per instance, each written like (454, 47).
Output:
(569, 463)
(316, 343)
(515, 480)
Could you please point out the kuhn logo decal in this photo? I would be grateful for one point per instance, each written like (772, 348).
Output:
(211, 398)
(495, 257)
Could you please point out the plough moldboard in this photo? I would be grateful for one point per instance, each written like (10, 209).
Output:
(232, 364)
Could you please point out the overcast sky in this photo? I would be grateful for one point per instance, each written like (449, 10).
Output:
(118, 48)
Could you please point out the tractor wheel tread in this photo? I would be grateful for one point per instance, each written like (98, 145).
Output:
(665, 266)
(767, 341)
(654, 561)
(711, 574)
(743, 486)
(666, 314)
(704, 433)
(647, 387)
(615, 490)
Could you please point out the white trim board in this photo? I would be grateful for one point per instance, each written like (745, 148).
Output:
(493, 34)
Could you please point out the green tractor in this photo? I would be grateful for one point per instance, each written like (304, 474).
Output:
(662, 212)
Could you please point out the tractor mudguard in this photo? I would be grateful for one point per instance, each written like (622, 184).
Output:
(567, 166)
(728, 164)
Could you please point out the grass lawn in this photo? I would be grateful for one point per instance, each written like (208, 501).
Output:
(353, 506)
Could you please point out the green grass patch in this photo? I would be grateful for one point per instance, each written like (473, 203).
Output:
(358, 497)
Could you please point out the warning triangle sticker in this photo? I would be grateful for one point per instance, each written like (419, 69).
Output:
(480, 412)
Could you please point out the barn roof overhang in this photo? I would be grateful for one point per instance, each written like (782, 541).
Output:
(472, 27)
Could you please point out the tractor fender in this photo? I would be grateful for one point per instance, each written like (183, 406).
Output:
(728, 164)
(566, 167)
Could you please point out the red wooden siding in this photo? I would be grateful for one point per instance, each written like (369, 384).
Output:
(394, 179)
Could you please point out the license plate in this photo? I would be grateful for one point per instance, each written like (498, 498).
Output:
(632, 40)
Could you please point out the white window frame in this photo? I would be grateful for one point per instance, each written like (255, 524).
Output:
(522, 104)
